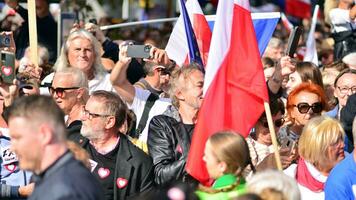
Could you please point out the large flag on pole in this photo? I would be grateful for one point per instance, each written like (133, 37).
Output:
(311, 54)
(194, 54)
(177, 46)
(235, 88)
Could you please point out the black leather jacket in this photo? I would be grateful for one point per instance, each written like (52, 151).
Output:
(168, 144)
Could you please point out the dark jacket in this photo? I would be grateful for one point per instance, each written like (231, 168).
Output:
(133, 165)
(168, 144)
(46, 34)
(67, 179)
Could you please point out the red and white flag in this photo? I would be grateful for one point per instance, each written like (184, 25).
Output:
(177, 46)
(235, 89)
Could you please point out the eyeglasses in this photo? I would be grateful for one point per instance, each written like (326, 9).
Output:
(92, 115)
(278, 123)
(345, 89)
(60, 91)
(164, 71)
(305, 107)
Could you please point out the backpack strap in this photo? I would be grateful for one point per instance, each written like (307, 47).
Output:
(143, 121)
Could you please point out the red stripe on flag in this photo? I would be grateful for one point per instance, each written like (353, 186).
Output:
(234, 100)
(298, 8)
(203, 34)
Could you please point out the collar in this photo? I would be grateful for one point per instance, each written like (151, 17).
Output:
(60, 162)
(172, 111)
(226, 180)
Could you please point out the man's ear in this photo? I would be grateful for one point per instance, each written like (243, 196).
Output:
(46, 134)
(110, 123)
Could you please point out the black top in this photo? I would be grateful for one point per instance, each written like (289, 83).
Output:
(66, 178)
(104, 169)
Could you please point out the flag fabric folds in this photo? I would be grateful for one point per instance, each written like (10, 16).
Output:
(194, 54)
(177, 46)
(311, 54)
(264, 23)
(235, 89)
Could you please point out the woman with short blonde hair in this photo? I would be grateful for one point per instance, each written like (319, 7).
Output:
(321, 147)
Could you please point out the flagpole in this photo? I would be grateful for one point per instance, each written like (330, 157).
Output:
(33, 31)
(273, 136)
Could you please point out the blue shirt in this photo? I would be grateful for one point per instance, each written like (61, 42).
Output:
(341, 183)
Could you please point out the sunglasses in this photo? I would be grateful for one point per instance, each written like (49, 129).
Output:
(305, 107)
(60, 91)
(277, 123)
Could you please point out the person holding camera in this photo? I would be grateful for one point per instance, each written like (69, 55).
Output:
(46, 28)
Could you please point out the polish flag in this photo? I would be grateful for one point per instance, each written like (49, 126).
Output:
(177, 46)
(298, 8)
(234, 85)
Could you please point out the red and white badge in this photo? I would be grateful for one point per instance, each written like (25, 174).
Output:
(121, 182)
(103, 172)
(11, 167)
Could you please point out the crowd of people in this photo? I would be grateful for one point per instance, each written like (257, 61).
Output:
(95, 123)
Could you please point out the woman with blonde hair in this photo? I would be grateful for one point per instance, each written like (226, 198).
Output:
(226, 155)
(321, 147)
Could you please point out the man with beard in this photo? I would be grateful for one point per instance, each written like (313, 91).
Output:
(122, 169)
(170, 134)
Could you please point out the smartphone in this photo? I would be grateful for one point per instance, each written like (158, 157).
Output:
(293, 41)
(5, 41)
(7, 66)
(138, 51)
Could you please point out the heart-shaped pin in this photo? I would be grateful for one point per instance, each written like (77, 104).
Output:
(121, 182)
(103, 172)
(10, 167)
(7, 70)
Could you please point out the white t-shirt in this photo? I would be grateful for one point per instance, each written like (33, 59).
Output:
(138, 105)
(98, 83)
(340, 20)
(306, 193)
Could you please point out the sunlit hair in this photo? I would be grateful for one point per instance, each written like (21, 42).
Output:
(176, 83)
(271, 184)
(62, 61)
(231, 148)
(342, 73)
(305, 87)
(308, 71)
(319, 134)
(39, 110)
(112, 104)
(79, 78)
